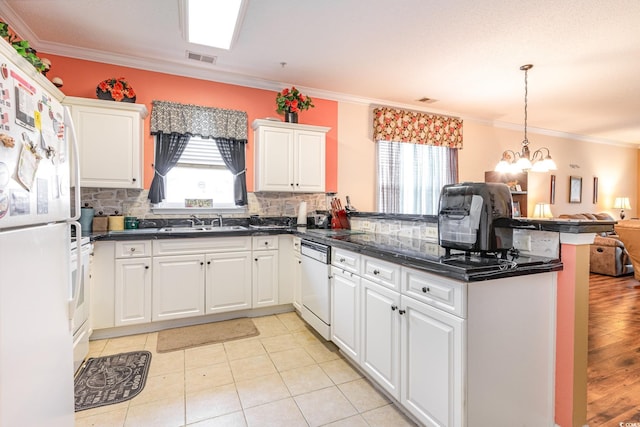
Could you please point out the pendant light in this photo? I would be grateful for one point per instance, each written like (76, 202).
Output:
(523, 161)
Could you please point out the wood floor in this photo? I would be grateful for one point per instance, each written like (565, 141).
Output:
(613, 394)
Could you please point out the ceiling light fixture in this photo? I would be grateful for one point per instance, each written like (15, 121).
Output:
(214, 23)
(523, 161)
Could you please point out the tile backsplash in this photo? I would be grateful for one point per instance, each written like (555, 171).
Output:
(135, 203)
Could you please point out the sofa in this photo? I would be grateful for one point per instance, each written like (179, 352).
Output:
(608, 253)
(629, 232)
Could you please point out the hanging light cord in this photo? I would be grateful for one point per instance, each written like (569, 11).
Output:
(526, 69)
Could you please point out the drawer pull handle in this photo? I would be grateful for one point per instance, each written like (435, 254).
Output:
(342, 260)
(394, 307)
(376, 272)
(425, 290)
(401, 312)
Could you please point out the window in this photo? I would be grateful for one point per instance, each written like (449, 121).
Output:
(199, 175)
(410, 176)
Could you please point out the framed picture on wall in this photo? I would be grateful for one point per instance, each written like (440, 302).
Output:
(575, 189)
(516, 209)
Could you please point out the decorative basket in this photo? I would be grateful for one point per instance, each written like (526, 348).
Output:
(115, 89)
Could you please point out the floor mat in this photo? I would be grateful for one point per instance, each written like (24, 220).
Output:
(208, 333)
(111, 379)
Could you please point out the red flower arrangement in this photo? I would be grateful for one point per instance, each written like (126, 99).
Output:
(292, 101)
(117, 89)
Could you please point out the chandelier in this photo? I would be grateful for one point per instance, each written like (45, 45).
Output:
(523, 161)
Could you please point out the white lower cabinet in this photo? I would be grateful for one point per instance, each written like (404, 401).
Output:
(432, 375)
(265, 271)
(381, 335)
(345, 312)
(133, 291)
(265, 278)
(178, 286)
(228, 282)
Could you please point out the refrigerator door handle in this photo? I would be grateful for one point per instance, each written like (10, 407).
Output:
(71, 130)
(78, 273)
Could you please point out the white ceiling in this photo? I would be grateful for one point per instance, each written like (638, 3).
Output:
(465, 54)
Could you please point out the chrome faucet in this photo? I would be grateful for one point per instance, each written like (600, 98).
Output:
(196, 221)
(218, 218)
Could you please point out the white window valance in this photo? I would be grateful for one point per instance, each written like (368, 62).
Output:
(208, 122)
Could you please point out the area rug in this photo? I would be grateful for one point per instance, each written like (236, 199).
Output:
(111, 379)
(208, 333)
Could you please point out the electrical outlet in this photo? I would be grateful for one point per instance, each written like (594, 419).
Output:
(365, 225)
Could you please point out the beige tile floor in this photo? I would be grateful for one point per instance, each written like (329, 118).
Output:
(286, 376)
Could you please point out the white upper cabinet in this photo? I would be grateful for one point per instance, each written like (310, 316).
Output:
(289, 157)
(111, 140)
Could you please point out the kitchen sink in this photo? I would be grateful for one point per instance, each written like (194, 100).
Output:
(203, 228)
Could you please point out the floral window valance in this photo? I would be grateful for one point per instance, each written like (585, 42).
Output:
(171, 117)
(390, 124)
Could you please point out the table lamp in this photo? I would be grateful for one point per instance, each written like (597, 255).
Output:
(621, 203)
(542, 210)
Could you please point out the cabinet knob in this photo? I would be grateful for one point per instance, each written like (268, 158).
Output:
(425, 289)
(376, 272)
(133, 180)
(132, 249)
(255, 259)
(401, 312)
(394, 307)
(297, 185)
(201, 263)
(342, 260)
(266, 243)
(292, 184)
(146, 267)
(299, 262)
(208, 262)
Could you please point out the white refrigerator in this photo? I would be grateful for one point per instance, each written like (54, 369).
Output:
(36, 347)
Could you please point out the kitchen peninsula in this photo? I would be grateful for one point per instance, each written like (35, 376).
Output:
(460, 307)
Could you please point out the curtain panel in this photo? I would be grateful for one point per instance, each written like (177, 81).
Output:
(171, 117)
(391, 124)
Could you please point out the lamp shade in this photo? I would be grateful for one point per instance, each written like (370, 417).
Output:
(542, 210)
(621, 203)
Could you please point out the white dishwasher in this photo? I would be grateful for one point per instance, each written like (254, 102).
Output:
(316, 286)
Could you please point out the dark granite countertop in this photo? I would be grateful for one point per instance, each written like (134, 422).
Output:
(429, 256)
(417, 253)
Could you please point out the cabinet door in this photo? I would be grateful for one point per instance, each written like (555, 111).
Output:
(178, 286)
(102, 285)
(432, 361)
(345, 312)
(265, 278)
(381, 335)
(309, 162)
(110, 146)
(133, 291)
(228, 282)
(274, 154)
(297, 282)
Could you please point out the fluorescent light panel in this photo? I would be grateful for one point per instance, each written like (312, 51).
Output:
(213, 22)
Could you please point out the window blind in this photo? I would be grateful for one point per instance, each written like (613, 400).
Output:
(201, 152)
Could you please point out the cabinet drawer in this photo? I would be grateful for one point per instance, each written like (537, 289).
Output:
(448, 295)
(201, 245)
(133, 249)
(346, 260)
(381, 272)
(265, 242)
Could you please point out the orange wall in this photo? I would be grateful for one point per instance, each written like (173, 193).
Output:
(81, 78)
